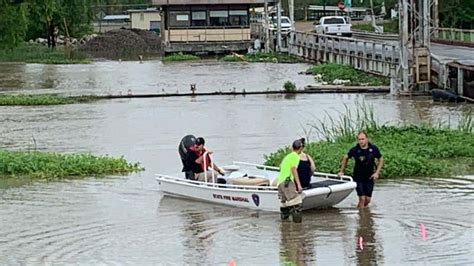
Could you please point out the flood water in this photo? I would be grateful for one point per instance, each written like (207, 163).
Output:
(125, 220)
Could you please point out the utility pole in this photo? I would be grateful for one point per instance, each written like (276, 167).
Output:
(404, 44)
(267, 27)
(414, 36)
(291, 9)
(279, 26)
(436, 17)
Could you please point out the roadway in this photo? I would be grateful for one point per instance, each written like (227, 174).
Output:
(441, 51)
(463, 55)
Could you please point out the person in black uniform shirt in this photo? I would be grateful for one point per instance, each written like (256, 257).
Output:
(366, 169)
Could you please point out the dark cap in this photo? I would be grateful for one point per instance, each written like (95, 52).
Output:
(297, 144)
(200, 141)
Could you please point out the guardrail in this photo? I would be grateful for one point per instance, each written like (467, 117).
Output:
(370, 56)
(375, 36)
(451, 34)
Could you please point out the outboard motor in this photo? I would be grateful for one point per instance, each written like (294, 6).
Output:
(183, 148)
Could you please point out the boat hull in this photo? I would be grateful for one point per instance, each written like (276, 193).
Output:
(252, 197)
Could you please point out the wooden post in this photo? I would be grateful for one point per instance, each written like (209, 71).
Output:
(460, 81)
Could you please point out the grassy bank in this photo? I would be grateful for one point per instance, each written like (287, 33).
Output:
(409, 150)
(37, 53)
(180, 57)
(388, 26)
(11, 100)
(44, 165)
(263, 57)
(347, 75)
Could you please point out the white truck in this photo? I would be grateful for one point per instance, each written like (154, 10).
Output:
(286, 24)
(333, 26)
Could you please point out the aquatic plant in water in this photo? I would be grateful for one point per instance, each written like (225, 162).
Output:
(180, 57)
(45, 165)
(10, 100)
(346, 75)
(409, 150)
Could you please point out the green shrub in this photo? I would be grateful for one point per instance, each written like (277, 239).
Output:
(289, 86)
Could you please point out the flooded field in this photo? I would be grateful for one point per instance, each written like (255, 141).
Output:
(125, 220)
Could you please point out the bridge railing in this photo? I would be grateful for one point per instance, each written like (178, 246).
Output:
(369, 56)
(450, 34)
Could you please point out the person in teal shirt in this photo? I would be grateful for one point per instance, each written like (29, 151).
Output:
(289, 186)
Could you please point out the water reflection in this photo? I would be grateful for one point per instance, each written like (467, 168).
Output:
(197, 235)
(296, 248)
(371, 253)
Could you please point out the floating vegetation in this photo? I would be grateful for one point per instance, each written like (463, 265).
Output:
(409, 150)
(42, 99)
(45, 165)
(289, 86)
(263, 57)
(180, 57)
(345, 74)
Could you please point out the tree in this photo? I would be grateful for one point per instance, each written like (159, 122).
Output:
(75, 17)
(47, 18)
(12, 23)
(457, 14)
(42, 14)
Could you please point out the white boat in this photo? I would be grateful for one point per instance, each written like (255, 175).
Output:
(249, 185)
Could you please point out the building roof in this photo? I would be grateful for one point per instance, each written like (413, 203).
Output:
(209, 2)
(116, 17)
(335, 8)
(148, 10)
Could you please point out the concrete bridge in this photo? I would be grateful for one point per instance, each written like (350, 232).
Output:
(446, 66)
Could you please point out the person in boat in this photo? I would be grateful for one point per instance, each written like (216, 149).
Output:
(289, 186)
(306, 167)
(368, 164)
(196, 159)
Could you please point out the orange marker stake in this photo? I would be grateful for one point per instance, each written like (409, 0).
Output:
(361, 243)
(232, 262)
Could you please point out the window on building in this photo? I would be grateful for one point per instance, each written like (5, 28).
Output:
(179, 18)
(198, 18)
(238, 17)
(219, 17)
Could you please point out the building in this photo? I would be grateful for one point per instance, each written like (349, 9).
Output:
(145, 19)
(112, 22)
(317, 12)
(206, 25)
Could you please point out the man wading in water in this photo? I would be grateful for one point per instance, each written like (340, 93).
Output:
(364, 154)
(289, 185)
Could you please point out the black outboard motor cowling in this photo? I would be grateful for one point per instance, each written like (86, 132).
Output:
(183, 148)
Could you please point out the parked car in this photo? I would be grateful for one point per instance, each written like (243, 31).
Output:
(334, 26)
(286, 24)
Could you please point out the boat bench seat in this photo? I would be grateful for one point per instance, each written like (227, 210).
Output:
(249, 181)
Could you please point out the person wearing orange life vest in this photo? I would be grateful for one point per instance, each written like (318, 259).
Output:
(195, 162)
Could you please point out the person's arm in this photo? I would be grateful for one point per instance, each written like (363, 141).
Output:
(218, 169)
(380, 163)
(343, 165)
(294, 172)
